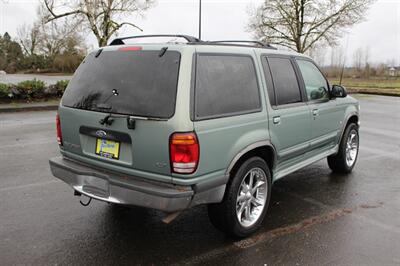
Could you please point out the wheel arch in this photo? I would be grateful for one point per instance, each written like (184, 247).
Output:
(263, 149)
(352, 117)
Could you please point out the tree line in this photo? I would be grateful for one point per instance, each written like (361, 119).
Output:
(55, 42)
(56, 46)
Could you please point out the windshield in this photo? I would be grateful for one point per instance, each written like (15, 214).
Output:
(137, 83)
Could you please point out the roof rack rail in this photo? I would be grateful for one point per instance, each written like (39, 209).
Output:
(246, 42)
(120, 41)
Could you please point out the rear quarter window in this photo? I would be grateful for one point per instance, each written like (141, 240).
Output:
(225, 85)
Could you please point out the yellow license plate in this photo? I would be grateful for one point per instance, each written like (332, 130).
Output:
(107, 148)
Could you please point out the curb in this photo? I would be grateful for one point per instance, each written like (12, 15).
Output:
(28, 108)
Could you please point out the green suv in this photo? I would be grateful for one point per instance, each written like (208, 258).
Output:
(173, 125)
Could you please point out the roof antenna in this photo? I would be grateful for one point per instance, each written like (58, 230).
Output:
(199, 19)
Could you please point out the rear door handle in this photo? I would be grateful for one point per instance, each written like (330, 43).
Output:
(276, 120)
(315, 112)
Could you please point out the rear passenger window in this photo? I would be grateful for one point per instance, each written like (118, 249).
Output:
(225, 85)
(286, 86)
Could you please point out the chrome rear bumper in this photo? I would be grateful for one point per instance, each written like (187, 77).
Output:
(121, 189)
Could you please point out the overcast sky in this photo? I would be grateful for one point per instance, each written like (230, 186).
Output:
(223, 19)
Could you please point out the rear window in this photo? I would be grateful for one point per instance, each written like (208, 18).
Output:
(138, 83)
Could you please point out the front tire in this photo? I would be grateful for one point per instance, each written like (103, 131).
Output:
(343, 162)
(246, 200)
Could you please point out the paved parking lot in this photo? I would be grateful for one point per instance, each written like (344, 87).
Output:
(315, 217)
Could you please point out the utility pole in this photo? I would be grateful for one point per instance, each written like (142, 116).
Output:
(199, 19)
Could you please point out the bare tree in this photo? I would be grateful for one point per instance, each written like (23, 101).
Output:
(338, 56)
(318, 53)
(366, 55)
(300, 24)
(101, 17)
(29, 38)
(358, 57)
(49, 39)
(367, 65)
(55, 35)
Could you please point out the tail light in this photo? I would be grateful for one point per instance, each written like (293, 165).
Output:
(58, 126)
(184, 152)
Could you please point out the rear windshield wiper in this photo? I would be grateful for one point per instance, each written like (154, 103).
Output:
(130, 120)
(103, 107)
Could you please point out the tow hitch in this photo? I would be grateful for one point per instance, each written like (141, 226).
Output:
(76, 193)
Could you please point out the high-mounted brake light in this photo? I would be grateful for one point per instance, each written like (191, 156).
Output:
(58, 126)
(130, 48)
(184, 152)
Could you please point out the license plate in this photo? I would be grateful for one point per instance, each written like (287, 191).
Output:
(108, 148)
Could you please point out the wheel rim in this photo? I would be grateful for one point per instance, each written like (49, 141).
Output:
(251, 197)
(351, 148)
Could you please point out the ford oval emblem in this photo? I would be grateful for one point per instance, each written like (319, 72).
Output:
(101, 133)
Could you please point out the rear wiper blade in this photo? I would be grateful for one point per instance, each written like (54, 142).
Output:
(103, 106)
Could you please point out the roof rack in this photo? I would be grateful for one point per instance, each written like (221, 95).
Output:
(189, 39)
(194, 40)
(245, 42)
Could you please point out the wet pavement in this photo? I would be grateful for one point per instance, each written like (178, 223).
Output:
(315, 217)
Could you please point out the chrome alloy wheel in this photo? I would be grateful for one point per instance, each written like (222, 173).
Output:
(251, 197)
(351, 148)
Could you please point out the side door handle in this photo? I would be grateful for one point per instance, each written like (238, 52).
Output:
(315, 112)
(276, 120)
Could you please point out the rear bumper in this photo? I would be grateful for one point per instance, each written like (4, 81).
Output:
(129, 190)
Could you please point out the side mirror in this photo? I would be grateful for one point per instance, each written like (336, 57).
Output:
(338, 91)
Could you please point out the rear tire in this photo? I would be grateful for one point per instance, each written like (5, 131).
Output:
(343, 162)
(245, 201)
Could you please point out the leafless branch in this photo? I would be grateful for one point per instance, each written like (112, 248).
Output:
(101, 17)
(302, 24)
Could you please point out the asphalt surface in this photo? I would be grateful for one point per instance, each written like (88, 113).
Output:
(315, 217)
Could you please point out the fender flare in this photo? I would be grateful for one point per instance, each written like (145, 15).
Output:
(248, 148)
(351, 114)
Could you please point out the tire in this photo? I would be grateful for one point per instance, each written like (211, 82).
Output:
(340, 162)
(225, 215)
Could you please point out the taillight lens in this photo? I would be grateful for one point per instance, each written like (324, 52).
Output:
(184, 152)
(58, 126)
